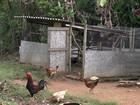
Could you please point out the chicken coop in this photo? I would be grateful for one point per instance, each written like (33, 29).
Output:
(80, 49)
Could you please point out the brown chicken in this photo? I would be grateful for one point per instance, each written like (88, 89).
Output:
(51, 71)
(91, 82)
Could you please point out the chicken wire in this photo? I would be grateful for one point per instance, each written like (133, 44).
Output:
(137, 38)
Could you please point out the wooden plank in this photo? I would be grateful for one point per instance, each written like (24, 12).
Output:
(84, 50)
(76, 42)
(121, 42)
(99, 29)
(58, 49)
(57, 24)
(130, 39)
(35, 33)
(70, 41)
(133, 39)
(67, 51)
(115, 43)
(49, 36)
(127, 83)
(58, 29)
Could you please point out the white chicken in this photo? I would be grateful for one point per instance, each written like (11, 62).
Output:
(2, 85)
(59, 95)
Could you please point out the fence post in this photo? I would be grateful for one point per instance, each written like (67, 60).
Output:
(121, 40)
(130, 38)
(70, 39)
(133, 39)
(24, 28)
(84, 49)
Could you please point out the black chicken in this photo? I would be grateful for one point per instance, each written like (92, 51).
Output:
(32, 88)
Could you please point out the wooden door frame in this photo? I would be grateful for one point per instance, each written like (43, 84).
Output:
(59, 49)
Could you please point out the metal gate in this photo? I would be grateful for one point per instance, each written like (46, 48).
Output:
(58, 42)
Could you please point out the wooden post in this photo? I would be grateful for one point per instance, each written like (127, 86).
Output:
(121, 42)
(24, 29)
(70, 41)
(133, 39)
(130, 38)
(99, 46)
(84, 49)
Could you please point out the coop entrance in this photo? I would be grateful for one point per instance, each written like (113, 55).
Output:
(58, 42)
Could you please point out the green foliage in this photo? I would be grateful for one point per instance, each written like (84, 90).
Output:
(124, 12)
(10, 29)
(88, 7)
(52, 9)
(81, 5)
(101, 2)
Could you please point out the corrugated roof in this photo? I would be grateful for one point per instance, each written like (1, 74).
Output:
(42, 18)
(45, 20)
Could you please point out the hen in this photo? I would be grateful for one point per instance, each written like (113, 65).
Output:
(51, 71)
(32, 88)
(59, 95)
(91, 82)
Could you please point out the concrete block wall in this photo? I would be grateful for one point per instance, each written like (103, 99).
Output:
(112, 63)
(34, 53)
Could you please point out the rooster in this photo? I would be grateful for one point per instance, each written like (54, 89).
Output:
(91, 82)
(51, 71)
(32, 88)
(59, 95)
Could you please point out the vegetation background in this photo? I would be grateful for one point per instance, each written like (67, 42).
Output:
(110, 13)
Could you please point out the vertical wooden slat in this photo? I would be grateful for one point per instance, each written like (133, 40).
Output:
(84, 49)
(67, 51)
(48, 46)
(121, 41)
(130, 38)
(133, 39)
(70, 40)
(24, 29)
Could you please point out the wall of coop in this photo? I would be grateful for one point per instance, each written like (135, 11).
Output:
(94, 39)
(108, 52)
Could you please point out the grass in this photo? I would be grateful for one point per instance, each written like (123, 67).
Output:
(11, 70)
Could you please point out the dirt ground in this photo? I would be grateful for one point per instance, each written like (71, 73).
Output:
(103, 91)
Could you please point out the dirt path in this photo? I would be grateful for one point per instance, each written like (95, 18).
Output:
(103, 91)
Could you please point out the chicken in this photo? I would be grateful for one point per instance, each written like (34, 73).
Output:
(32, 88)
(91, 82)
(59, 95)
(51, 71)
(2, 85)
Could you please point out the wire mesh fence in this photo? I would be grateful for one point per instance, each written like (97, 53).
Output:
(137, 38)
